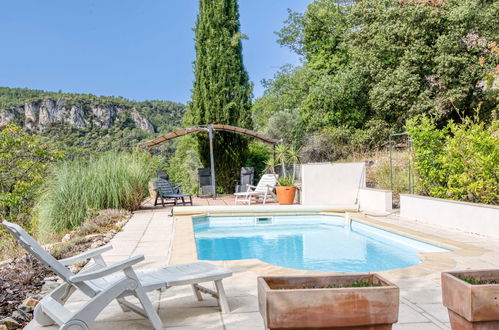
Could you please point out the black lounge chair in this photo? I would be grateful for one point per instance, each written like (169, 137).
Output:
(247, 174)
(164, 190)
(204, 176)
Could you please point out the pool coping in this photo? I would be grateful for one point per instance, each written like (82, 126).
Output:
(184, 250)
(244, 209)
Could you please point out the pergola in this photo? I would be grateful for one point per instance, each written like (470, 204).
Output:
(209, 129)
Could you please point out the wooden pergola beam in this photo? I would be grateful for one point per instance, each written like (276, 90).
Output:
(217, 127)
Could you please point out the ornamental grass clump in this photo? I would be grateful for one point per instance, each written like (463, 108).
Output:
(78, 187)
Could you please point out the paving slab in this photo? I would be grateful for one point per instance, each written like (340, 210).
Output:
(437, 311)
(243, 321)
(416, 326)
(408, 314)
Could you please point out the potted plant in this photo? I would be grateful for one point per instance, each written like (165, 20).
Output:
(286, 189)
(472, 298)
(357, 301)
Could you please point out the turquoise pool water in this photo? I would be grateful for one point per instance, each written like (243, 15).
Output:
(308, 242)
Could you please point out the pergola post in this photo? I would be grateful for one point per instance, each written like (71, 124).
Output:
(212, 163)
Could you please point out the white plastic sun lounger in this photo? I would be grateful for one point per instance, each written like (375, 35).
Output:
(264, 189)
(103, 283)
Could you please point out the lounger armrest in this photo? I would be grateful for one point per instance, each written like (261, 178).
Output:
(177, 189)
(250, 188)
(107, 270)
(85, 255)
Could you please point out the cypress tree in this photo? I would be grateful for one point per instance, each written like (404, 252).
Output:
(222, 91)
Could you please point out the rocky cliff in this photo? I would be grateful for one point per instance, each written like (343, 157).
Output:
(39, 115)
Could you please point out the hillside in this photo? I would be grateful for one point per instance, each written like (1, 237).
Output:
(85, 121)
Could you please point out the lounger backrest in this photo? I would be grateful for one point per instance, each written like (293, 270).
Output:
(163, 187)
(163, 175)
(33, 248)
(265, 181)
(247, 176)
(204, 175)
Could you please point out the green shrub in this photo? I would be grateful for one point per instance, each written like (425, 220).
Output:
(77, 187)
(23, 163)
(460, 161)
(24, 159)
(428, 143)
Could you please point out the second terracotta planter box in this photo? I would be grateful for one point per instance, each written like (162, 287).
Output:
(288, 302)
(472, 306)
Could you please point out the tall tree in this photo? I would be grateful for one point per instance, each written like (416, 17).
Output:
(222, 91)
(385, 61)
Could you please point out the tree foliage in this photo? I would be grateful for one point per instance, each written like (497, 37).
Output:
(317, 35)
(285, 125)
(285, 92)
(385, 61)
(419, 58)
(222, 91)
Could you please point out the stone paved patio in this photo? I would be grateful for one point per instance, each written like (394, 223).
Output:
(221, 200)
(151, 232)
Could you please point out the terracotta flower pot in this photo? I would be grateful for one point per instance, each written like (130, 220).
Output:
(472, 306)
(286, 194)
(311, 302)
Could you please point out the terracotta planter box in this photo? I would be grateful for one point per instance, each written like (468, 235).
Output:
(285, 194)
(306, 302)
(471, 306)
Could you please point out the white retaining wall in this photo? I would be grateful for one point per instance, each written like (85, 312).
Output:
(332, 183)
(376, 200)
(469, 217)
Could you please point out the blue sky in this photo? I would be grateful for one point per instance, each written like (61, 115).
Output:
(138, 49)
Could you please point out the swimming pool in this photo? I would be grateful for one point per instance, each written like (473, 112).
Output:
(308, 242)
